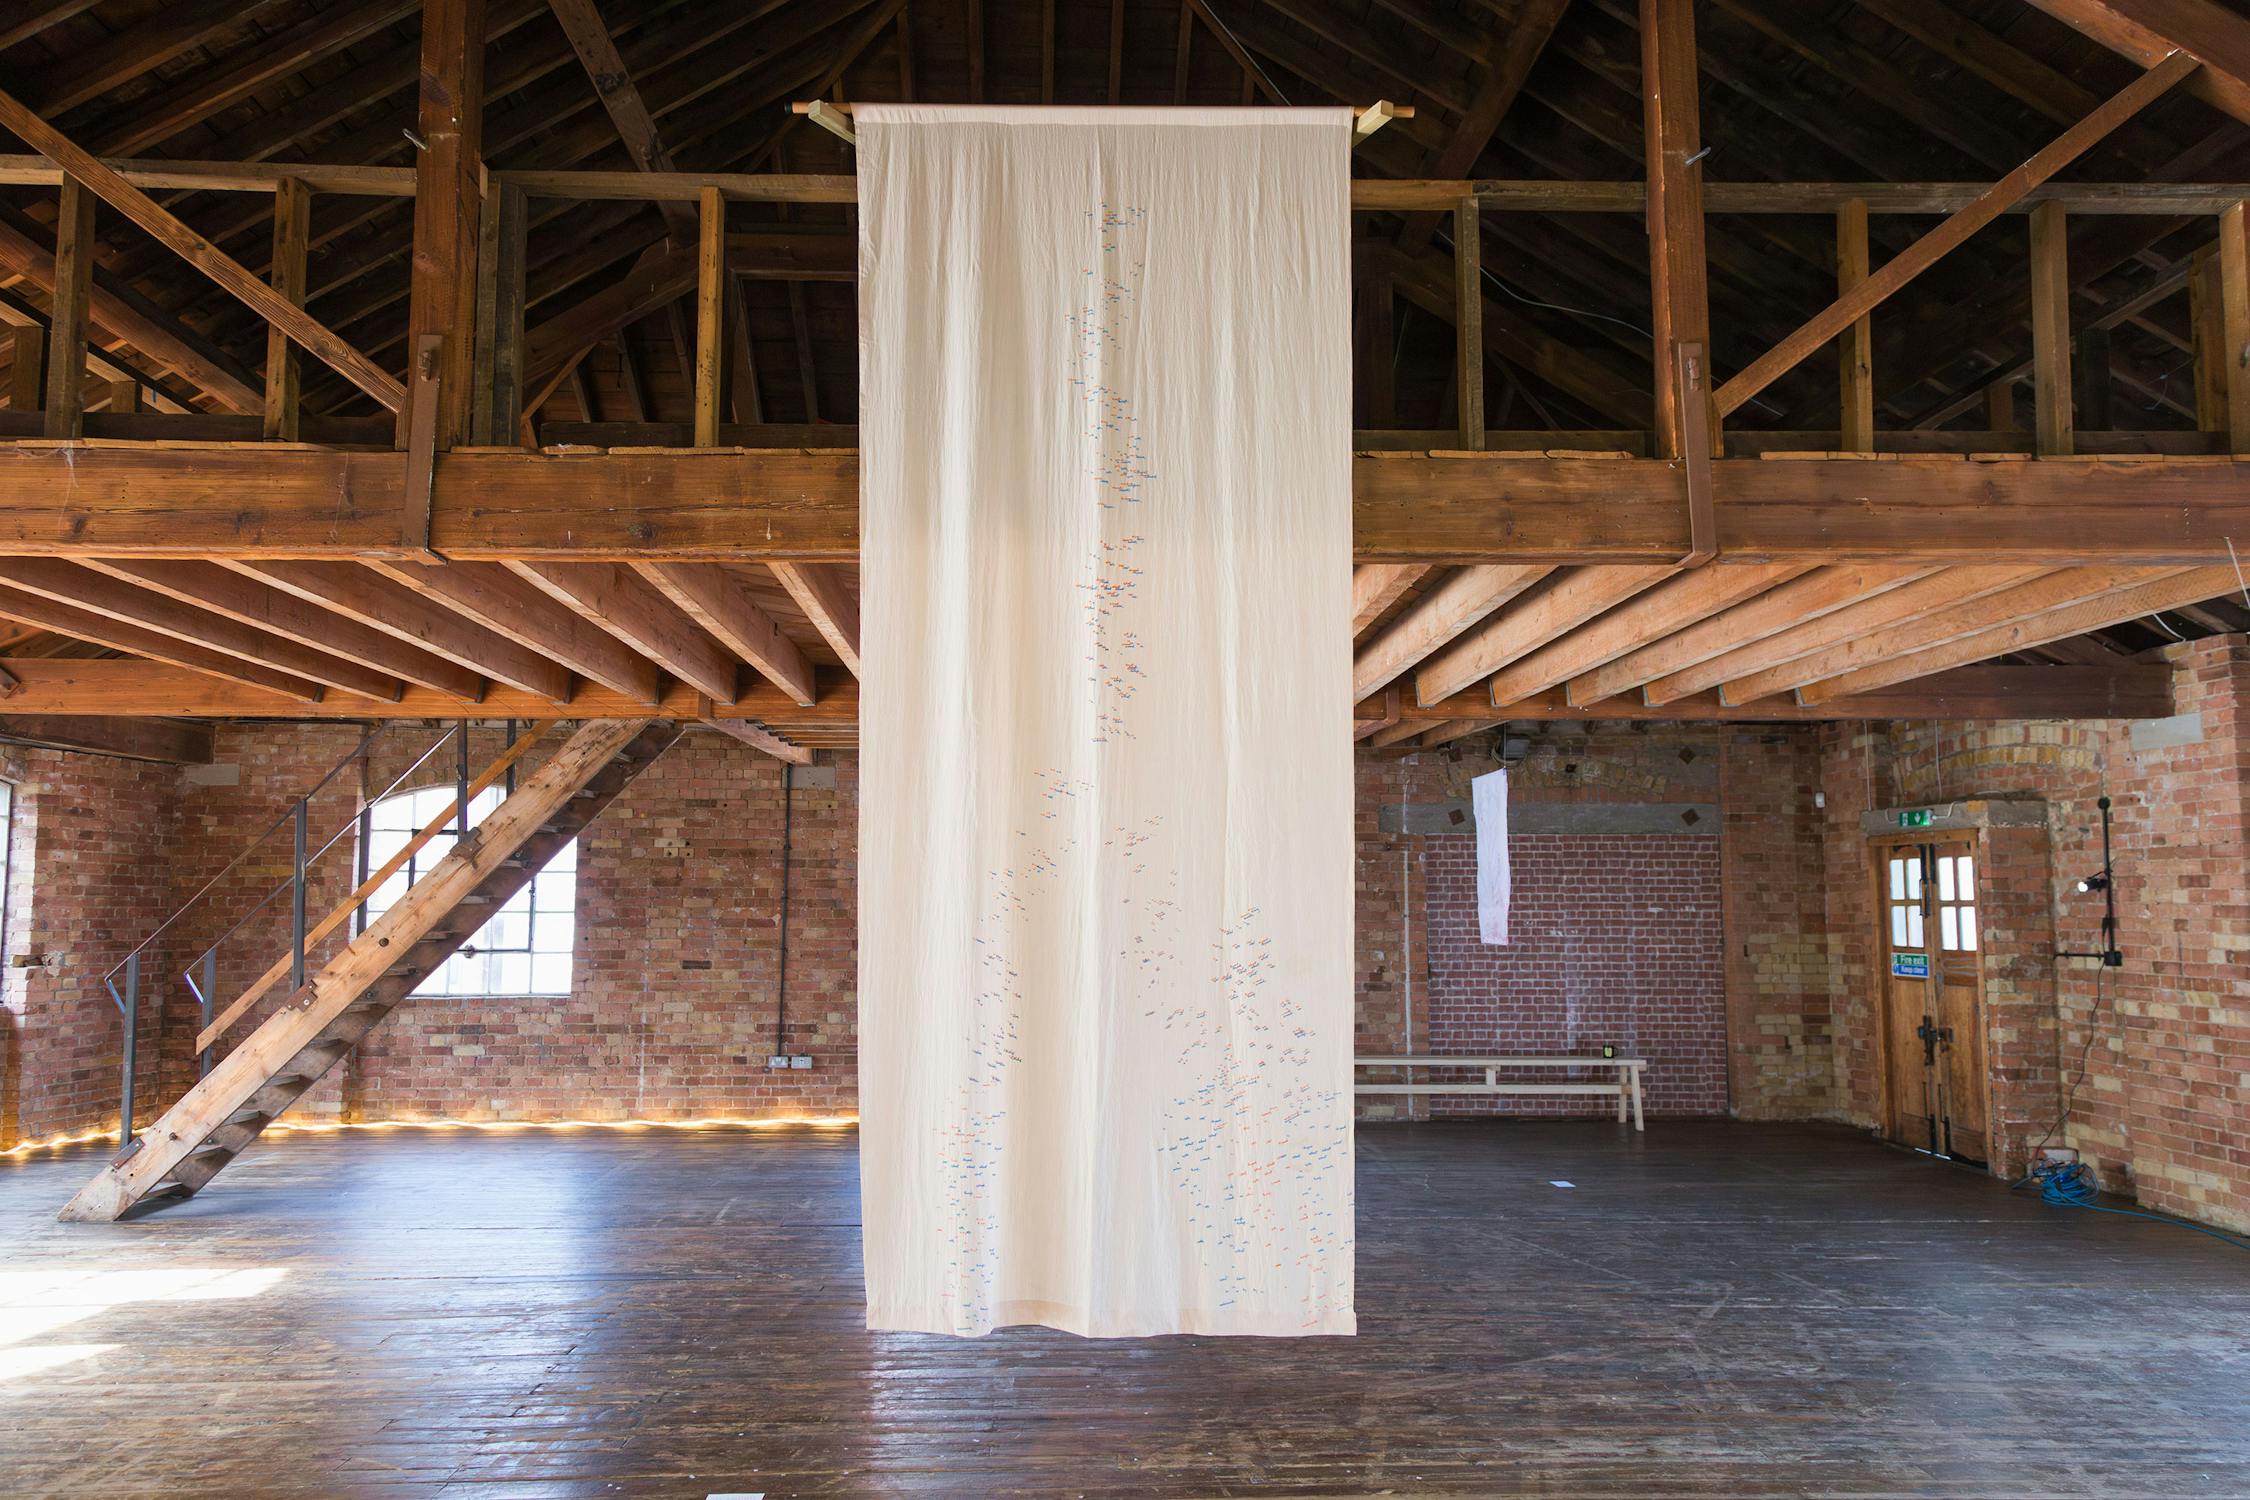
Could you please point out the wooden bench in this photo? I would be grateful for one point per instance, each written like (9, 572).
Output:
(1626, 1087)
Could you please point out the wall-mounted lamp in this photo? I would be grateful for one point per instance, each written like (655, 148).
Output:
(2105, 881)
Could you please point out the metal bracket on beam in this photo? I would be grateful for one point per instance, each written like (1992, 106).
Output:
(1697, 416)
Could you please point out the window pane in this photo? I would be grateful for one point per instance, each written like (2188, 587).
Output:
(554, 893)
(565, 860)
(519, 903)
(1949, 931)
(1968, 877)
(550, 974)
(1969, 928)
(1914, 927)
(1945, 880)
(510, 974)
(1898, 880)
(553, 934)
(1913, 880)
(508, 930)
(1898, 927)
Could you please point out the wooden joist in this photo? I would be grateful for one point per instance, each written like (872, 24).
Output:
(366, 598)
(167, 741)
(506, 605)
(763, 740)
(1948, 589)
(1378, 586)
(625, 605)
(826, 597)
(2074, 618)
(130, 603)
(1953, 620)
(1820, 592)
(1456, 604)
(1559, 604)
(1653, 615)
(723, 607)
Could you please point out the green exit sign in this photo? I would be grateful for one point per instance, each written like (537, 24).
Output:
(1914, 817)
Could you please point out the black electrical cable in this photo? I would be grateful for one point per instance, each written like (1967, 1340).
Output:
(781, 965)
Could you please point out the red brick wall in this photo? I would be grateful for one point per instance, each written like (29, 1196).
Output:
(1613, 938)
(1781, 1052)
(91, 846)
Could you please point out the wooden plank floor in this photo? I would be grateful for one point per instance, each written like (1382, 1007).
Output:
(1712, 1310)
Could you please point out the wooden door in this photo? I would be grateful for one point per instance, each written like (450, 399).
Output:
(1933, 1012)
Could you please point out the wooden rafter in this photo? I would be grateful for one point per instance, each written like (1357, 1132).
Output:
(506, 605)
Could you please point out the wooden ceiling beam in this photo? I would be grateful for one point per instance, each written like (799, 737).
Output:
(763, 740)
(589, 34)
(1951, 622)
(2146, 30)
(2110, 608)
(132, 604)
(106, 630)
(625, 605)
(165, 741)
(825, 595)
(90, 72)
(1946, 589)
(502, 603)
(1820, 592)
(365, 598)
(1378, 586)
(723, 607)
(1516, 46)
(1559, 604)
(1679, 291)
(199, 252)
(1926, 251)
(1668, 607)
(270, 501)
(129, 686)
(262, 606)
(1456, 604)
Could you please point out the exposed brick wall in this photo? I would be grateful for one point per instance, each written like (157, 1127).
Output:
(1613, 938)
(1781, 1045)
(2163, 1105)
(92, 844)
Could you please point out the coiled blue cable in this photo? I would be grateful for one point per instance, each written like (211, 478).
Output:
(2069, 1185)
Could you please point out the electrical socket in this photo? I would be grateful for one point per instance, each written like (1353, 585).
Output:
(776, 1064)
(800, 1060)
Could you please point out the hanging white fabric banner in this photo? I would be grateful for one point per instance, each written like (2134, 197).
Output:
(1488, 805)
(1105, 875)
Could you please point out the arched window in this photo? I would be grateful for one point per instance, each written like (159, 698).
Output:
(524, 947)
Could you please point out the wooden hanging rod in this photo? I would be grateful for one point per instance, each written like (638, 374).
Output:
(836, 119)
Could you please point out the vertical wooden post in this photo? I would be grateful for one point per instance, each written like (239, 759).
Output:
(2234, 351)
(2094, 378)
(27, 367)
(2050, 328)
(508, 237)
(124, 397)
(448, 196)
(2207, 321)
(292, 230)
(1679, 287)
(743, 398)
(2000, 406)
(74, 285)
(1468, 318)
(1378, 406)
(1855, 349)
(710, 307)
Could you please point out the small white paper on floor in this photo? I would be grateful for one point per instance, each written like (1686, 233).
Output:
(1551, 1182)
(1489, 802)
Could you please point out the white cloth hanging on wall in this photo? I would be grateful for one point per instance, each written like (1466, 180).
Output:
(1106, 866)
(1488, 804)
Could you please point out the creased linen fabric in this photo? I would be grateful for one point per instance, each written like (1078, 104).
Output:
(1488, 804)
(1105, 896)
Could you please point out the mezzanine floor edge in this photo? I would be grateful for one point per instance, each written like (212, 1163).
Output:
(1713, 1309)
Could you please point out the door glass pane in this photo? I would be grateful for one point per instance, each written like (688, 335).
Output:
(1914, 927)
(1969, 928)
(1898, 927)
(1898, 880)
(1968, 877)
(1949, 930)
(1945, 880)
(1914, 880)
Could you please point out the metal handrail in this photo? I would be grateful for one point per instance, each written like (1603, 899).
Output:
(298, 815)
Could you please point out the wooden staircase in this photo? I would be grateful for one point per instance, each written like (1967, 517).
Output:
(289, 1052)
